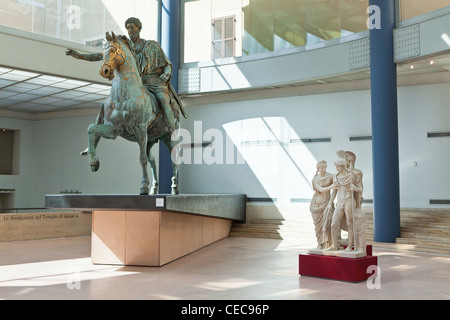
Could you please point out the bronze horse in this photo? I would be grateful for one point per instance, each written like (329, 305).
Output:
(132, 112)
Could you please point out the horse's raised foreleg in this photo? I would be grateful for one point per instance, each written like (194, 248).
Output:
(141, 135)
(95, 131)
(151, 160)
(99, 120)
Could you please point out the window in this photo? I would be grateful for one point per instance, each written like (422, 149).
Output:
(217, 29)
(413, 8)
(223, 37)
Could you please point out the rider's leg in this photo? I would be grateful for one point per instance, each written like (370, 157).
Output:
(164, 102)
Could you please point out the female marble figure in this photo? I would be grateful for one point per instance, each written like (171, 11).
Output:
(321, 212)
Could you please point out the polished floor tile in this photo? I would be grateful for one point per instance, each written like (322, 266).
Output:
(234, 268)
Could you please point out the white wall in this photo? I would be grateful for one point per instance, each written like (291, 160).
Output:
(285, 172)
(50, 161)
(424, 109)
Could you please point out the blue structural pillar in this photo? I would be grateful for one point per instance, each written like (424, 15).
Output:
(386, 190)
(170, 43)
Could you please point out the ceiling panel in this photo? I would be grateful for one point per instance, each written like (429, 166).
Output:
(25, 91)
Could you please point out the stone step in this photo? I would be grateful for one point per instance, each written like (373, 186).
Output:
(255, 235)
(303, 227)
(440, 232)
(306, 221)
(420, 223)
(425, 228)
(294, 232)
(424, 243)
(273, 228)
(409, 247)
(420, 231)
(258, 231)
(268, 221)
(426, 218)
(426, 213)
(256, 226)
(421, 236)
(405, 231)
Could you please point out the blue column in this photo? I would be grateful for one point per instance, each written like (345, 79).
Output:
(170, 43)
(386, 190)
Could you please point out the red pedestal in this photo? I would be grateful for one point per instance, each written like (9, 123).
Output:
(336, 268)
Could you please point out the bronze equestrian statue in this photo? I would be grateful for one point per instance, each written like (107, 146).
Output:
(142, 105)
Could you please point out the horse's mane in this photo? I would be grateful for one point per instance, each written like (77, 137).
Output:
(125, 41)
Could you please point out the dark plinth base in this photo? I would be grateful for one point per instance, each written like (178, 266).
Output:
(336, 268)
(225, 206)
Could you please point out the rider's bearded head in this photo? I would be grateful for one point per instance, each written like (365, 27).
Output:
(134, 35)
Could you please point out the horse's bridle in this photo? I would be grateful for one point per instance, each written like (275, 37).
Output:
(119, 51)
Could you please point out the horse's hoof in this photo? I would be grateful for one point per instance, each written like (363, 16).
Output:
(144, 192)
(95, 166)
(154, 190)
(174, 185)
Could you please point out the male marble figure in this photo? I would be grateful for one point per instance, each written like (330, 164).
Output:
(360, 223)
(345, 183)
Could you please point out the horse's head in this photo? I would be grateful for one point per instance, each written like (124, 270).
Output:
(113, 56)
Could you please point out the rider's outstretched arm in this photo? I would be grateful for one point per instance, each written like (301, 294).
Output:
(88, 57)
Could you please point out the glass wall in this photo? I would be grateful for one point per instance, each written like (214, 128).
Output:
(267, 25)
(413, 8)
(81, 21)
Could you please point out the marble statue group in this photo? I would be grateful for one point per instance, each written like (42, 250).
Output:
(336, 206)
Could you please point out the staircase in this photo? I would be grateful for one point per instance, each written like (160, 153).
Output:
(420, 230)
(425, 230)
(301, 228)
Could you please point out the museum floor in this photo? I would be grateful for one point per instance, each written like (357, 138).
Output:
(234, 268)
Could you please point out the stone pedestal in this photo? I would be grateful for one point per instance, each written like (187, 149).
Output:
(151, 238)
(153, 230)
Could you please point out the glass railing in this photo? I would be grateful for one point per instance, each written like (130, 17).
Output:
(80, 21)
(215, 29)
(222, 29)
